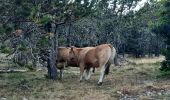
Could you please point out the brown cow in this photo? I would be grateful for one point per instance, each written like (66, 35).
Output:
(62, 61)
(93, 57)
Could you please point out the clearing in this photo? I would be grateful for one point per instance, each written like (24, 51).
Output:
(140, 80)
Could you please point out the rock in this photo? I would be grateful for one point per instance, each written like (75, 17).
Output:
(118, 92)
(24, 98)
(159, 93)
(148, 93)
(3, 98)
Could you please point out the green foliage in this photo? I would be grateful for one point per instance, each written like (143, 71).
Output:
(33, 15)
(6, 28)
(61, 40)
(15, 76)
(163, 28)
(2, 30)
(165, 66)
(26, 65)
(164, 73)
(43, 42)
(5, 49)
(22, 46)
(19, 64)
(44, 20)
(166, 53)
(30, 67)
(24, 9)
(165, 12)
(19, 2)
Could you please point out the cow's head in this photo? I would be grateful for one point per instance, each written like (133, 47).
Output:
(73, 55)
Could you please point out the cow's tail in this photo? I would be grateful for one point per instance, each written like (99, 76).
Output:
(107, 68)
(116, 60)
(114, 57)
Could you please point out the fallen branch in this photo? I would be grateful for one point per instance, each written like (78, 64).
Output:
(12, 70)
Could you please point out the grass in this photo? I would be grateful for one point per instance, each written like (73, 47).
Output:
(146, 60)
(135, 81)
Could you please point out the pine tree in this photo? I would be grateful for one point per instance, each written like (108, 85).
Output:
(46, 16)
(162, 27)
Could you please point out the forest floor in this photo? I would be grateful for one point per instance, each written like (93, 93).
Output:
(141, 80)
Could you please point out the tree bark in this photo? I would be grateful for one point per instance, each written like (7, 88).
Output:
(68, 34)
(51, 62)
(53, 50)
(52, 71)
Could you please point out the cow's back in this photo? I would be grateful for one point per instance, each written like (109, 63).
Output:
(97, 55)
(83, 52)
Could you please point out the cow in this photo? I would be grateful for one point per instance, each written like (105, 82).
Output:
(62, 60)
(90, 58)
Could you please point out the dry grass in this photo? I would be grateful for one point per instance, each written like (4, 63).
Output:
(137, 82)
(146, 60)
(5, 61)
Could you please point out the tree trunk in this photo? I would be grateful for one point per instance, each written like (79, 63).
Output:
(53, 50)
(52, 71)
(68, 34)
(157, 49)
(51, 63)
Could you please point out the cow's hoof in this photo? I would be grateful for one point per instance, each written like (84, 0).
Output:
(99, 83)
(81, 81)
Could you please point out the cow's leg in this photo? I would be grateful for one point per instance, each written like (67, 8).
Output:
(86, 73)
(102, 72)
(93, 70)
(61, 74)
(89, 73)
(81, 72)
(62, 70)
